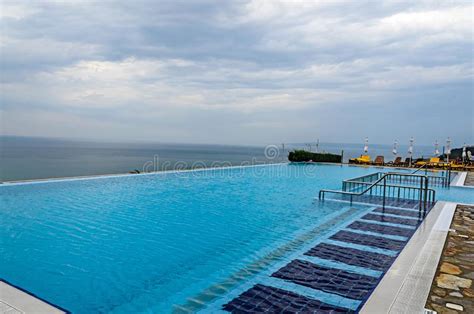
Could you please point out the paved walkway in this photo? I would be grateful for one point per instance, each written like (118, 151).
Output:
(16, 301)
(452, 290)
(469, 179)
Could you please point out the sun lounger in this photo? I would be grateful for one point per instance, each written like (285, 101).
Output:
(398, 161)
(434, 162)
(363, 159)
(407, 161)
(379, 161)
(421, 163)
(456, 166)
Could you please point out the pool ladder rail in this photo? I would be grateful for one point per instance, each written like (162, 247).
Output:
(443, 180)
(421, 192)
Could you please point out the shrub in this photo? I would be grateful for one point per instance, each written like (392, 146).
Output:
(303, 156)
(456, 153)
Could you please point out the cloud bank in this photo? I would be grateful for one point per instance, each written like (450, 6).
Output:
(248, 72)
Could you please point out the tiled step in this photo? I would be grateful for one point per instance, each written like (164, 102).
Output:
(390, 219)
(331, 280)
(399, 212)
(394, 202)
(383, 229)
(351, 256)
(261, 298)
(378, 200)
(368, 240)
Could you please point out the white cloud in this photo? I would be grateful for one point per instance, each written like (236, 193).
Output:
(16, 11)
(315, 25)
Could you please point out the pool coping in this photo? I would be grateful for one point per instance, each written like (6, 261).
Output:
(406, 285)
(163, 172)
(120, 175)
(18, 300)
(460, 179)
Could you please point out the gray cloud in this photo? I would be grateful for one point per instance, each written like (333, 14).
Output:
(237, 71)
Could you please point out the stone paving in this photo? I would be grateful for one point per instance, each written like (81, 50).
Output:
(469, 179)
(452, 290)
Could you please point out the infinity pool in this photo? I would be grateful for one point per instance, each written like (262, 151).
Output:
(149, 243)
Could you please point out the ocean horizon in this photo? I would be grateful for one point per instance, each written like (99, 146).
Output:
(28, 158)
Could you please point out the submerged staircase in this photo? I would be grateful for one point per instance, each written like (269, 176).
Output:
(339, 272)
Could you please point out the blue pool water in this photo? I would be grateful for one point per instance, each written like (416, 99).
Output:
(147, 243)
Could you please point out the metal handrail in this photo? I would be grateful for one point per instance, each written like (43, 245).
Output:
(447, 174)
(435, 180)
(423, 189)
(419, 168)
(432, 180)
(391, 188)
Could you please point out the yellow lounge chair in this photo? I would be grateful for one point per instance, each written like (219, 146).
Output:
(455, 166)
(444, 164)
(363, 159)
(434, 162)
(421, 163)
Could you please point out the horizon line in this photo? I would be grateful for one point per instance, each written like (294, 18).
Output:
(135, 141)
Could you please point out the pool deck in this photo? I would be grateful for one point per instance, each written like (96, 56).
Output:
(14, 301)
(460, 179)
(469, 181)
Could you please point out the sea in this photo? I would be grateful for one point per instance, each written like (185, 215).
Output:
(28, 158)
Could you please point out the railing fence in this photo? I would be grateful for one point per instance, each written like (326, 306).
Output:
(384, 185)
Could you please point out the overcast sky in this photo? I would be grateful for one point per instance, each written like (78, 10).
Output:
(238, 72)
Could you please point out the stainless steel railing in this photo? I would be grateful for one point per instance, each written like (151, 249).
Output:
(442, 180)
(420, 192)
(392, 190)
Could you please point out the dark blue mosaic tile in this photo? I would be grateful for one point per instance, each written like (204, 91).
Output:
(351, 256)
(413, 204)
(260, 298)
(390, 219)
(400, 212)
(389, 201)
(373, 227)
(369, 240)
(397, 203)
(404, 203)
(331, 280)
